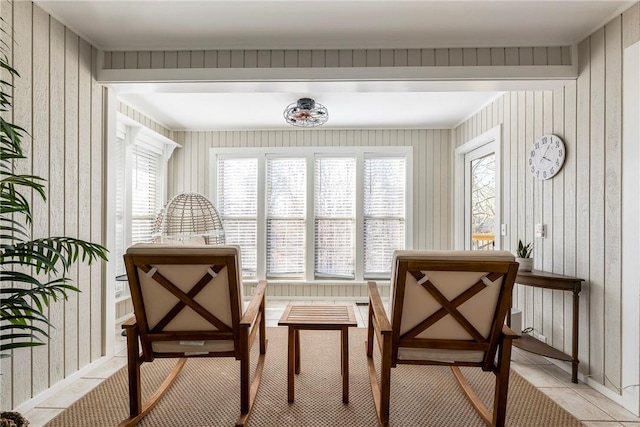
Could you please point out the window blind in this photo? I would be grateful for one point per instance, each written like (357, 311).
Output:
(286, 209)
(237, 192)
(334, 195)
(145, 192)
(384, 213)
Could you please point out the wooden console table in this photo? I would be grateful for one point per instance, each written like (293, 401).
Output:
(542, 279)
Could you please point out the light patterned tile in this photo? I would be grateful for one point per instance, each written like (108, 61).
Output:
(536, 376)
(575, 404)
(120, 349)
(108, 368)
(273, 303)
(601, 424)
(616, 411)
(625, 424)
(537, 359)
(562, 376)
(521, 357)
(70, 394)
(38, 417)
(273, 313)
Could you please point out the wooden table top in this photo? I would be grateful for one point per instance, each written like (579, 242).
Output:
(318, 315)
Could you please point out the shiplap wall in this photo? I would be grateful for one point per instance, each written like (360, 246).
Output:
(189, 167)
(443, 57)
(58, 102)
(145, 121)
(581, 206)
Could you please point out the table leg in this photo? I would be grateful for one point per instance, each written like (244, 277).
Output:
(290, 362)
(345, 365)
(297, 340)
(574, 343)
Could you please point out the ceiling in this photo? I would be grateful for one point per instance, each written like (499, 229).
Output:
(307, 24)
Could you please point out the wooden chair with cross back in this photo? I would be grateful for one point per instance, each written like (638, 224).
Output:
(447, 308)
(188, 303)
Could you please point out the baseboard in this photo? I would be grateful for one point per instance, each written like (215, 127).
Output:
(316, 290)
(60, 385)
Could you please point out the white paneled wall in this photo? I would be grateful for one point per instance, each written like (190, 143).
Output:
(145, 121)
(443, 57)
(59, 103)
(432, 167)
(581, 206)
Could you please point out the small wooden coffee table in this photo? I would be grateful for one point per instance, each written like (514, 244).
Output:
(318, 317)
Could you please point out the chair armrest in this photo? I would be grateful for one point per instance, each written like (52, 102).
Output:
(130, 323)
(253, 309)
(509, 333)
(375, 302)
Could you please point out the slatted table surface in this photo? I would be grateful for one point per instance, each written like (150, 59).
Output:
(323, 316)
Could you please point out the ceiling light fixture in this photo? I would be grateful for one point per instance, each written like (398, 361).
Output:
(306, 113)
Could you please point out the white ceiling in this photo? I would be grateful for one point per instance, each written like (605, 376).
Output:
(307, 24)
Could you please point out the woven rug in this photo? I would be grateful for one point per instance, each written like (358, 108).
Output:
(207, 392)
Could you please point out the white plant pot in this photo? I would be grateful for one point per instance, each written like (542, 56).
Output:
(526, 264)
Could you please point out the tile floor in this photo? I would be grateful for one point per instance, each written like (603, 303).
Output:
(583, 402)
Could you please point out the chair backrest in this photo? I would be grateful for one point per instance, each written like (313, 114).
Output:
(450, 306)
(186, 299)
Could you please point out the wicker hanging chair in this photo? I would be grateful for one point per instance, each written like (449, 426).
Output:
(189, 218)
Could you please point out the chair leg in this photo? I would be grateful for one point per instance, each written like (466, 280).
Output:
(263, 328)
(155, 397)
(133, 367)
(248, 391)
(381, 390)
(502, 384)
(370, 332)
(385, 379)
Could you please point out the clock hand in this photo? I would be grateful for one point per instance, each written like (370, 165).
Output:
(546, 151)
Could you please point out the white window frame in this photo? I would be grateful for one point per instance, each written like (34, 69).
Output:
(359, 152)
(492, 136)
(630, 398)
(133, 133)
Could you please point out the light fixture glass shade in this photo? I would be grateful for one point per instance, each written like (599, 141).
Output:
(306, 113)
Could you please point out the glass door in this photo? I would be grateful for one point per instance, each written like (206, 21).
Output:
(480, 198)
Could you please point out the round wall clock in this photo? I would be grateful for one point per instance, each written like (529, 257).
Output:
(546, 156)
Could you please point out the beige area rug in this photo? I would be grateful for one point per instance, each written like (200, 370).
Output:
(207, 393)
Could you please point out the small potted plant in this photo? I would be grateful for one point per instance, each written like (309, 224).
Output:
(523, 256)
(12, 419)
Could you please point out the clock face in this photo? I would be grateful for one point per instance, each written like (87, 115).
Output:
(546, 156)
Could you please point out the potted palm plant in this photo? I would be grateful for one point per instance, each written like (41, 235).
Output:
(32, 271)
(523, 256)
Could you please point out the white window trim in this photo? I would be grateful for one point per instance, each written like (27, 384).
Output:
(133, 133)
(492, 136)
(630, 398)
(359, 152)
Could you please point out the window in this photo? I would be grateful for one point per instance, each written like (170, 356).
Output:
(238, 207)
(384, 213)
(327, 215)
(138, 159)
(146, 198)
(335, 217)
(286, 216)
